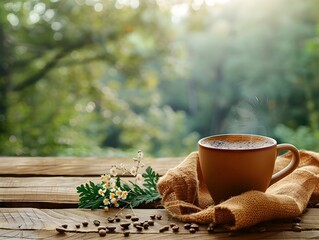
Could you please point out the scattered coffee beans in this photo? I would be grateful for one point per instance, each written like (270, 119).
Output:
(60, 229)
(125, 225)
(164, 228)
(126, 233)
(150, 222)
(110, 219)
(139, 228)
(192, 230)
(187, 226)
(134, 219)
(297, 219)
(296, 227)
(96, 222)
(64, 225)
(102, 232)
(77, 225)
(145, 225)
(101, 227)
(172, 225)
(153, 217)
(111, 228)
(194, 226)
(128, 216)
(117, 219)
(175, 228)
(85, 224)
(159, 217)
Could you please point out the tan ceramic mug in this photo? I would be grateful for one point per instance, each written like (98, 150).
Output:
(235, 163)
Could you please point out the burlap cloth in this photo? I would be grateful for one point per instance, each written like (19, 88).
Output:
(186, 198)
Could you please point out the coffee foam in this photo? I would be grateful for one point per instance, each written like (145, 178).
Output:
(237, 144)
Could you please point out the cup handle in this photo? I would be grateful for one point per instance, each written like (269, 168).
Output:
(292, 165)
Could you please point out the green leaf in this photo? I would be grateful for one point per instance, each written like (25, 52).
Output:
(89, 195)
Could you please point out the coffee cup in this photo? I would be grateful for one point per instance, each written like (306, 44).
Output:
(232, 164)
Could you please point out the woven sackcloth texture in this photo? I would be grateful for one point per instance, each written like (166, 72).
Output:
(186, 198)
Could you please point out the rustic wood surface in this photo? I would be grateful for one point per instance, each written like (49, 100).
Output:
(39, 194)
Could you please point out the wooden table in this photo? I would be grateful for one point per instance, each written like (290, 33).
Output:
(39, 194)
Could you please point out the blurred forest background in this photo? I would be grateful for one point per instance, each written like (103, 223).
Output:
(108, 77)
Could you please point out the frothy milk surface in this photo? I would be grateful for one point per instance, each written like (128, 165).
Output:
(237, 144)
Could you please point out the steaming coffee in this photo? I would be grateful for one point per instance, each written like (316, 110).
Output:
(245, 161)
(238, 144)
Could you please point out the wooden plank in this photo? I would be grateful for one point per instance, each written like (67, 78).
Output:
(50, 234)
(42, 191)
(41, 223)
(72, 166)
(45, 191)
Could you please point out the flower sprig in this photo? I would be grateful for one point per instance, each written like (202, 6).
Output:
(111, 192)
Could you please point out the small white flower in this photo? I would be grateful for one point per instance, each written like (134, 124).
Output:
(112, 196)
(113, 171)
(122, 168)
(140, 154)
(106, 201)
(133, 171)
(124, 195)
(102, 191)
(118, 192)
(139, 177)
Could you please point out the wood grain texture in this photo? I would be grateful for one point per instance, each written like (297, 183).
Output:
(31, 223)
(43, 191)
(72, 166)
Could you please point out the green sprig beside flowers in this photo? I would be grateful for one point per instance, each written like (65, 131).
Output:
(112, 192)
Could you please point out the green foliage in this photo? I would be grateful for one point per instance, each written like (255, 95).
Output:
(83, 78)
(303, 137)
(148, 194)
(89, 196)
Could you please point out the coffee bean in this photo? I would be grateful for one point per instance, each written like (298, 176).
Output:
(192, 230)
(101, 227)
(85, 224)
(175, 228)
(96, 222)
(60, 229)
(110, 219)
(296, 227)
(153, 217)
(150, 222)
(145, 225)
(139, 228)
(159, 217)
(187, 225)
(164, 228)
(134, 219)
(117, 219)
(137, 224)
(194, 226)
(64, 225)
(126, 233)
(111, 228)
(77, 225)
(125, 225)
(102, 232)
(297, 219)
(172, 225)
(128, 216)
